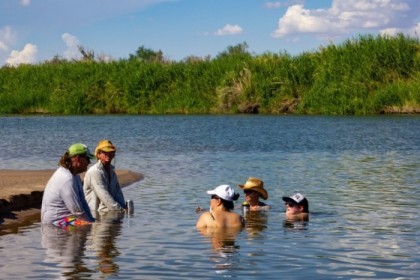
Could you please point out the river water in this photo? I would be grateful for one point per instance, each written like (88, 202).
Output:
(360, 175)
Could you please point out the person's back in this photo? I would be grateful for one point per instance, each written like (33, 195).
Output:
(227, 219)
(59, 188)
(220, 214)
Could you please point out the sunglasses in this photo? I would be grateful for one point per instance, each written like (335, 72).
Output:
(249, 191)
(214, 197)
(108, 153)
(291, 204)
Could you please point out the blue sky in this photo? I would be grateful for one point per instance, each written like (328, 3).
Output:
(33, 31)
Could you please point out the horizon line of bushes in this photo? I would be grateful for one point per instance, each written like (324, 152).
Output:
(365, 75)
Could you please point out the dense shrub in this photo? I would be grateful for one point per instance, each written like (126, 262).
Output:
(365, 75)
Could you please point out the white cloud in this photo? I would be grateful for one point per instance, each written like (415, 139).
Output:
(27, 55)
(6, 38)
(300, 20)
(72, 43)
(278, 4)
(273, 5)
(24, 2)
(3, 46)
(346, 16)
(229, 29)
(390, 31)
(413, 31)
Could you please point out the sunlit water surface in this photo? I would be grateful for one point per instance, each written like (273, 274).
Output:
(360, 174)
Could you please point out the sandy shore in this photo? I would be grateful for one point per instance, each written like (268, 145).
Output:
(21, 194)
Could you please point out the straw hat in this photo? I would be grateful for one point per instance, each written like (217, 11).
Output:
(257, 185)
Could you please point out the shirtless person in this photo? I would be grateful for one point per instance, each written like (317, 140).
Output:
(221, 206)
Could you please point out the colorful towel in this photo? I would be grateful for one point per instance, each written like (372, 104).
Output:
(70, 221)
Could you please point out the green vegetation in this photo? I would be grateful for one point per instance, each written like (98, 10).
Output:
(367, 75)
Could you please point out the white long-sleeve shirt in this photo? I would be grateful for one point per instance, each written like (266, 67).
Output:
(63, 197)
(103, 193)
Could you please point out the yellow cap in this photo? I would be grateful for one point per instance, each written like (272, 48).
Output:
(105, 146)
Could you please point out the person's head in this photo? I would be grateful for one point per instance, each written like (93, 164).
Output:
(254, 189)
(223, 195)
(296, 204)
(76, 158)
(105, 151)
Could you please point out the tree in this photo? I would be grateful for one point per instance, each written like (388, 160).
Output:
(237, 50)
(87, 55)
(147, 55)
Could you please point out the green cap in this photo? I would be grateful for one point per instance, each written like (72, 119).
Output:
(80, 149)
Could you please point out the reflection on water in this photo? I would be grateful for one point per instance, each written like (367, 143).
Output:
(66, 247)
(104, 234)
(256, 222)
(31, 216)
(222, 241)
(296, 223)
(361, 175)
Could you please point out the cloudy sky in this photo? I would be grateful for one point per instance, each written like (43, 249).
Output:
(33, 31)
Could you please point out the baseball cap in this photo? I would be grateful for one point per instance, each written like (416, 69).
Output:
(80, 149)
(105, 146)
(225, 192)
(296, 198)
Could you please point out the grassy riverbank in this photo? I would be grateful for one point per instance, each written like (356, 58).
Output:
(366, 75)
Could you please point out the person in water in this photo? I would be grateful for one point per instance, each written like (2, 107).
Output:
(101, 186)
(253, 191)
(221, 206)
(63, 202)
(297, 207)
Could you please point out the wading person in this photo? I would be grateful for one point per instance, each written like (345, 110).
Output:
(221, 206)
(63, 202)
(297, 207)
(102, 189)
(253, 191)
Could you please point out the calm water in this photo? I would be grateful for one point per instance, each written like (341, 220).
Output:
(360, 174)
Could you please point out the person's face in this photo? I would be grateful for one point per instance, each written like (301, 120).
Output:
(80, 163)
(293, 208)
(106, 157)
(251, 195)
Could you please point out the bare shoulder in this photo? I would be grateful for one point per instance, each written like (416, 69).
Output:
(236, 219)
(204, 219)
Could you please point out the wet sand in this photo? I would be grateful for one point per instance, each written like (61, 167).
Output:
(21, 194)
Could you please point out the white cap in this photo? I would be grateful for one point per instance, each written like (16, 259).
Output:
(225, 192)
(296, 198)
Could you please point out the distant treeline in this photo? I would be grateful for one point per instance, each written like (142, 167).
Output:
(365, 75)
